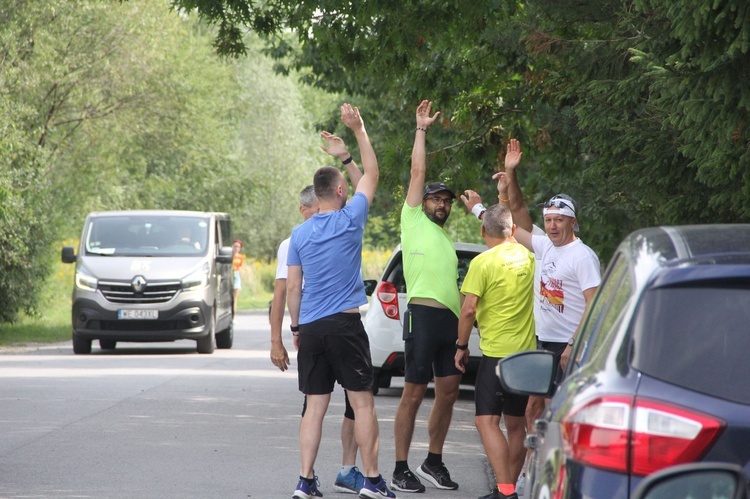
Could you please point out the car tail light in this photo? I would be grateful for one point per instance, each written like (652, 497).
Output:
(388, 296)
(637, 437)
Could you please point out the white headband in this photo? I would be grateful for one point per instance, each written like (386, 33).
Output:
(568, 212)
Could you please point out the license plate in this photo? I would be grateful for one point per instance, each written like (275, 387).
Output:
(138, 314)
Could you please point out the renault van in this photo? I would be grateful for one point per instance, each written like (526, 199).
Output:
(147, 276)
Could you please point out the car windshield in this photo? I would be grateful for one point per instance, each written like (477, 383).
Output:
(147, 235)
(697, 337)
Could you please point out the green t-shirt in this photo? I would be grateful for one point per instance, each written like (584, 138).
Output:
(430, 261)
(502, 277)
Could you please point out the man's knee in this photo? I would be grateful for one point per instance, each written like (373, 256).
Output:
(447, 388)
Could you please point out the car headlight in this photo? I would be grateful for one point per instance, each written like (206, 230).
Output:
(85, 281)
(197, 279)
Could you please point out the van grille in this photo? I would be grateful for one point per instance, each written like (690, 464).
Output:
(154, 292)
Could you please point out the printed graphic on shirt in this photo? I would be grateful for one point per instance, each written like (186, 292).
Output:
(551, 289)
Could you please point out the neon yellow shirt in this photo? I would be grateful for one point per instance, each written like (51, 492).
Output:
(503, 277)
(430, 261)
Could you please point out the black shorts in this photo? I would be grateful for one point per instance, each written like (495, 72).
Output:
(557, 350)
(489, 397)
(334, 348)
(430, 336)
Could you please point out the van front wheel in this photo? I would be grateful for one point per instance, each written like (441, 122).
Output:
(206, 343)
(225, 339)
(81, 345)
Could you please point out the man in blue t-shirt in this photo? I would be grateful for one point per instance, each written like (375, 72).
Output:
(333, 345)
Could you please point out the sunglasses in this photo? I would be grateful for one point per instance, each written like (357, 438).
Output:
(559, 203)
(438, 200)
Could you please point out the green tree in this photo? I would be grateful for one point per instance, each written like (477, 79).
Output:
(124, 106)
(638, 109)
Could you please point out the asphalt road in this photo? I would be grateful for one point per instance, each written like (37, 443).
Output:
(161, 421)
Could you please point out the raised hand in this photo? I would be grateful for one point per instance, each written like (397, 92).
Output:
(512, 155)
(336, 146)
(424, 120)
(470, 199)
(502, 184)
(351, 118)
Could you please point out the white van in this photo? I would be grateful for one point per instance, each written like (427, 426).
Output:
(153, 276)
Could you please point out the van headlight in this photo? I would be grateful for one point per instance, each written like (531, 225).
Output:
(85, 281)
(197, 279)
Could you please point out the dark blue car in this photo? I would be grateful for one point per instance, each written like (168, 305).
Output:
(659, 374)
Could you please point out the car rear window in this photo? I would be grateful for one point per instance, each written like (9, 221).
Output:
(697, 337)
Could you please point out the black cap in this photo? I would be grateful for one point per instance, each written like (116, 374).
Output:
(434, 187)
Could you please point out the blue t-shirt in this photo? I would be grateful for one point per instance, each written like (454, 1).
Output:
(329, 248)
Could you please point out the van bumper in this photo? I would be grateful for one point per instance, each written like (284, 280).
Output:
(187, 319)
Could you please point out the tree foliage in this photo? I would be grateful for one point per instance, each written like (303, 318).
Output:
(639, 109)
(107, 106)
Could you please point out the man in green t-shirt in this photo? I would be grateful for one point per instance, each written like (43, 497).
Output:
(498, 294)
(431, 321)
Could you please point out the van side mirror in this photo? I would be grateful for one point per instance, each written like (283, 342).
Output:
(696, 480)
(528, 373)
(370, 285)
(226, 253)
(68, 254)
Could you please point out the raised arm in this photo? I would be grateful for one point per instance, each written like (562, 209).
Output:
(522, 235)
(512, 197)
(419, 155)
(368, 182)
(337, 149)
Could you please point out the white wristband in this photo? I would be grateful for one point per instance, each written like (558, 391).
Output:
(478, 209)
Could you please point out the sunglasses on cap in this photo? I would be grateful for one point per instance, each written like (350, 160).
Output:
(559, 203)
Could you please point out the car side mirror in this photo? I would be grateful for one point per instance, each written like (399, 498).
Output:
(68, 254)
(370, 285)
(226, 254)
(528, 373)
(694, 480)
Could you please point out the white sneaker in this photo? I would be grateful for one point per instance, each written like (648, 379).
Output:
(521, 485)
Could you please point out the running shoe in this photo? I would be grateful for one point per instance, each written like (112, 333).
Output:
(495, 494)
(306, 490)
(350, 483)
(375, 491)
(437, 476)
(406, 482)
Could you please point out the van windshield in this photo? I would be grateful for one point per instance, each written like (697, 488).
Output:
(698, 337)
(147, 235)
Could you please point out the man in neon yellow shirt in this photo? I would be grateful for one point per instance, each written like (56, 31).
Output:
(498, 291)
(431, 321)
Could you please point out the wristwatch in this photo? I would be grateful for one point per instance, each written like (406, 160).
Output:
(571, 341)
(460, 346)
(294, 328)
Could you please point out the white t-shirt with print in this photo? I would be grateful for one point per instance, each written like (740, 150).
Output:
(564, 273)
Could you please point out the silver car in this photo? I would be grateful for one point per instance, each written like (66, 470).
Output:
(153, 276)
